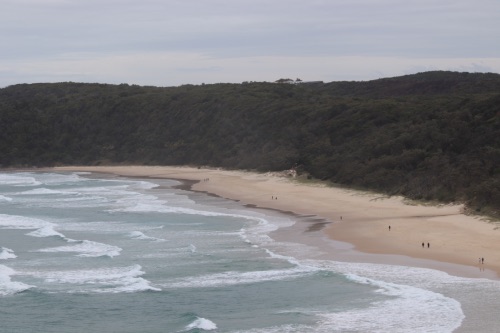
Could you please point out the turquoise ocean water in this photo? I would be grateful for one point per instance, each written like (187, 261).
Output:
(88, 253)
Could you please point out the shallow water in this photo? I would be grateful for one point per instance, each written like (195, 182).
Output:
(82, 253)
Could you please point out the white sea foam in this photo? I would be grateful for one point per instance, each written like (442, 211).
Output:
(78, 201)
(257, 233)
(236, 278)
(412, 302)
(47, 231)
(410, 308)
(79, 197)
(18, 180)
(5, 198)
(43, 228)
(142, 236)
(116, 197)
(7, 286)
(112, 192)
(143, 185)
(41, 191)
(87, 248)
(109, 280)
(158, 227)
(202, 324)
(110, 227)
(22, 222)
(404, 313)
(6, 253)
(60, 179)
(290, 259)
(150, 204)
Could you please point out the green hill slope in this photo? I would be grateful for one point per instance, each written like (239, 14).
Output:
(432, 136)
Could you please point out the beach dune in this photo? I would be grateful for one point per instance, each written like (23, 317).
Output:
(380, 229)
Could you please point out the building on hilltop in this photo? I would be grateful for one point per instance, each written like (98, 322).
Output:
(297, 81)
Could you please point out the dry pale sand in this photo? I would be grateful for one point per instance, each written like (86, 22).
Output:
(456, 241)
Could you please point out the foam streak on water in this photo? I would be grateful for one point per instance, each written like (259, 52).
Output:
(130, 255)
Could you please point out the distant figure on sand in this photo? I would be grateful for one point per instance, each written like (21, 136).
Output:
(428, 245)
(389, 228)
(423, 245)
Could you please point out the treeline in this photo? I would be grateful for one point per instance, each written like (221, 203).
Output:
(430, 136)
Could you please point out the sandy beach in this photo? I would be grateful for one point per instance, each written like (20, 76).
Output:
(359, 226)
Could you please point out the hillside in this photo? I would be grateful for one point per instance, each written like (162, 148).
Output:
(431, 136)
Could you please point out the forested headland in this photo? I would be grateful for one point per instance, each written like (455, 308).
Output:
(428, 136)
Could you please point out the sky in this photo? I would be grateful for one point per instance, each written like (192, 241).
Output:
(175, 42)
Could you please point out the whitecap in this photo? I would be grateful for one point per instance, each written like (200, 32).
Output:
(4, 198)
(19, 179)
(47, 231)
(9, 287)
(202, 324)
(22, 222)
(133, 285)
(6, 253)
(142, 236)
(87, 248)
(109, 279)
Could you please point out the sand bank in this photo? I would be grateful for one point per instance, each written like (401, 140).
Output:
(452, 241)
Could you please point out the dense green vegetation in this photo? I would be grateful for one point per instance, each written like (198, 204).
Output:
(431, 136)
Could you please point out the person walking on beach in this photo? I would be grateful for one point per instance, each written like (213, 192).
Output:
(423, 245)
(428, 245)
(389, 228)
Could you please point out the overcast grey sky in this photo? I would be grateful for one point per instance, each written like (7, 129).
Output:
(173, 42)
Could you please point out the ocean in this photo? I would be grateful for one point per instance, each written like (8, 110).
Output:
(83, 252)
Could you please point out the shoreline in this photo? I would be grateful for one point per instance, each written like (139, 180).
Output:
(353, 225)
